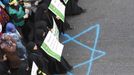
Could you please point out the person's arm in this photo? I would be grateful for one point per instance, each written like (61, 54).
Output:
(1, 4)
(26, 14)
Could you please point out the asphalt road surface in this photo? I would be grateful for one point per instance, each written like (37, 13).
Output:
(116, 19)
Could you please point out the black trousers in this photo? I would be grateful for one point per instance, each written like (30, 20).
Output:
(21, 70)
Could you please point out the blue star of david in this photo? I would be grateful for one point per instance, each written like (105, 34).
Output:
(93, 50)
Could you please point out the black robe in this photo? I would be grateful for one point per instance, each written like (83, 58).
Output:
(39, 60)
(55, 67)
(72, 8)
(40, 28)
(44, 14)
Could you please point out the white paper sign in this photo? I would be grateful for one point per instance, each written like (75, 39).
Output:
(65, 1)
(0, 27)
(55, 29)
(57, 8)
(52, 46)
(34, 69)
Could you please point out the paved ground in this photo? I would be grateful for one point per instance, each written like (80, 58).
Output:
(116, 18)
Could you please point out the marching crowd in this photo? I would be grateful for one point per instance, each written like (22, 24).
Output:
(23, 26)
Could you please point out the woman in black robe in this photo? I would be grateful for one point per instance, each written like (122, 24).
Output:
(36, 56)
(44, 14)
(55, 67)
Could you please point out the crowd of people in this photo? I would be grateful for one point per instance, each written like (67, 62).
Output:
(24, 25)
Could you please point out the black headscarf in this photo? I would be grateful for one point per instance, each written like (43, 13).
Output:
(40, 14)
(41, 25)
(43, 14)
(40, 35)
(30, 46)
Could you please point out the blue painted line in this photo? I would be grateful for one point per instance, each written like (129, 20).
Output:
(88, 61)
(90, 28)
(81, 64)
(99, 56)
(97, 35)
(69, 73)
(100, 51)
(95, 44)
(73, 39)
(79, 43)
(93, 50)
(84, 45)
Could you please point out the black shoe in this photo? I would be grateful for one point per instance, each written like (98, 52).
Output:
(84, 10)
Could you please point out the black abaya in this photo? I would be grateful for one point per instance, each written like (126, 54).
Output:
(40, 61)
(72, 8)
(55, 67)
(44, 14)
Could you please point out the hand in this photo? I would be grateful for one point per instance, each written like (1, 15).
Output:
(14, 44)
(3, 6)
(4, 57)
(27, 68)
(25, 16)
(57, 17)
(36, 3)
